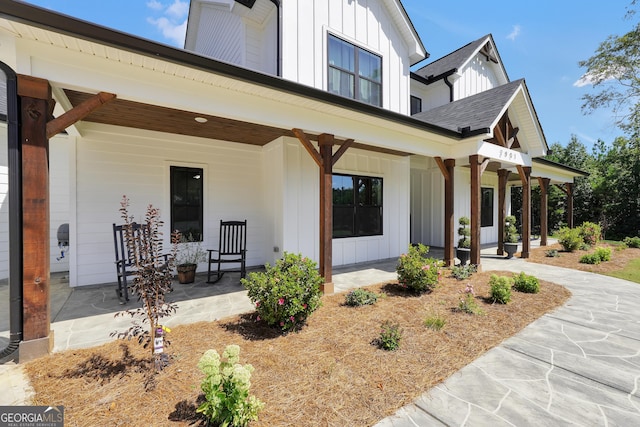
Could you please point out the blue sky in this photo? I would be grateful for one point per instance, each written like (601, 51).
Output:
(540, 41)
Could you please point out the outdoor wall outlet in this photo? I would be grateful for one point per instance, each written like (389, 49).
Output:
(276, 249)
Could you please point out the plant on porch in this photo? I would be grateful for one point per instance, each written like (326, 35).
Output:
(463, 251)
(190, 253)
(286, 293)
(510, 236)
(153, 276)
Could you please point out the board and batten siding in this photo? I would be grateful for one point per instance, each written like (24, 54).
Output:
(300, 219)
(477, 76)
(112, 162)
(427, 202)
(367, 24)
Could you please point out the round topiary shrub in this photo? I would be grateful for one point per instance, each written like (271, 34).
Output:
(415, 271)
(359, 297)
(524, 283)
(286, 293)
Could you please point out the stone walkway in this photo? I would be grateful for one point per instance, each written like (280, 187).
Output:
(576, 366)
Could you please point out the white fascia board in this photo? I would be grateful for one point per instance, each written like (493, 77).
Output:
(557, 175)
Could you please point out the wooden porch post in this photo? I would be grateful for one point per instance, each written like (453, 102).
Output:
(35, 98)
(325, 143)
(544, 210)
(325, 159)
(476, 171)
(503, 177)
(569, 191)
(525, 177)
(446, 167)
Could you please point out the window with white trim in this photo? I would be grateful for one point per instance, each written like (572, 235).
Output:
(354, 72)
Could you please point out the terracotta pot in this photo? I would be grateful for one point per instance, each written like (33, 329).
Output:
(186, 273)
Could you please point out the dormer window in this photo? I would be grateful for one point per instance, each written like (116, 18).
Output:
(354, 72)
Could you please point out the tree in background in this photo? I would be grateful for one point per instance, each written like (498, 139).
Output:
(614, 70)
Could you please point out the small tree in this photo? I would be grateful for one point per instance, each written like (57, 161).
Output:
(152, 280)
(510, 230)
(464, 232)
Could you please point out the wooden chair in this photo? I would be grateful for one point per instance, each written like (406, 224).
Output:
(231, 249)
(127, 256)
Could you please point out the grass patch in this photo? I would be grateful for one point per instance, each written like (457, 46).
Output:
(630, 272)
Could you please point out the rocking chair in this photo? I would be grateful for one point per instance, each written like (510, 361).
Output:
(231, 249)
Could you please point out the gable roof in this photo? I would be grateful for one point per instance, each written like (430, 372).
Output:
(477, 112)
(457, 59)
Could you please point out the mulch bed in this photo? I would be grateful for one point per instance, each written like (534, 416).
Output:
(619, 258)
(327, 374)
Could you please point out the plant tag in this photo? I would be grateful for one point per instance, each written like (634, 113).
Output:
(158, 342)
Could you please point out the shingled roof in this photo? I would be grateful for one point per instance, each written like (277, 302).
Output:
(456, 59)
(477, 112)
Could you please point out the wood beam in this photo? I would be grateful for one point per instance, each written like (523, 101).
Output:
(443, 167)
(474, 160)
(315, 155)
(503, 178)
(544, 209)
(325, 142)
(449, 223)
(499, 135)
(35, 97)
(78, 113)
(525, 177)
(344, 147)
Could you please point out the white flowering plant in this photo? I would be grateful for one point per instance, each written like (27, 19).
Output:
(287, 293)
(417, 272)
(226, 389)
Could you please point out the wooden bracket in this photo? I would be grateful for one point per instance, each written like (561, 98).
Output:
(77, 113)
(343, 148)
(443, 168)
(306, 143)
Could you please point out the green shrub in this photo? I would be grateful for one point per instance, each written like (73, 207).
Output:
(604, 254)
(435, 322)
(287, 293)
(510, 230)
(632, 242)
(590, 259)
(226, 389)
(525, 283)
(463, 272)
(569, 239)
(552, 253)
(390, 336)
(468, 302)
(416, 272)
(590, 233)
(500, 289)
(464, 232)
(359, 297)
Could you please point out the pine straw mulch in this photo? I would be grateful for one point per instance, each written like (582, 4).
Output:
(327, 374)
(619, 258)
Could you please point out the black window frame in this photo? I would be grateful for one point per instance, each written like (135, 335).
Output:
(357, 209)
(357, 77)
(180, 208)
(486, 206)
(418, 108)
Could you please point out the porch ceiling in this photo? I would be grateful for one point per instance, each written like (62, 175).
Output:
(121, 112)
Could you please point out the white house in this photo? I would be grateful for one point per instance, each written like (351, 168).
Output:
(243, 124)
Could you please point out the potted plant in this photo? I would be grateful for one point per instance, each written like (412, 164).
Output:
(463, 251)
(190, 253)
(510, 236)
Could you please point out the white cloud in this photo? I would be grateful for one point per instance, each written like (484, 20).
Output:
(585, 80)
(173, 22)
(514, 33)
(155, 5)
(175, 32)
(179, 9)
